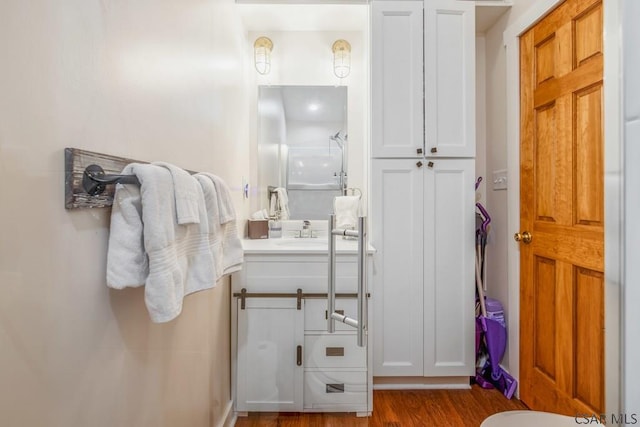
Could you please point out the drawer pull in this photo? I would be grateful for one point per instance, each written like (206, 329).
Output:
(334, 351)
(299, 355)
(326, 314)
(335, 388)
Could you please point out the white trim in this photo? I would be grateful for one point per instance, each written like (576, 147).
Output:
(511, 40)
(631, 233)
(613, 201)
(229, 418)
(421, 386)
(421, 383)
(536, 12)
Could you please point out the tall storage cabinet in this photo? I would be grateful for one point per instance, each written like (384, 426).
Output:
(422, 187)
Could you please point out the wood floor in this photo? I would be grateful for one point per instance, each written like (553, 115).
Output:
(437, 408)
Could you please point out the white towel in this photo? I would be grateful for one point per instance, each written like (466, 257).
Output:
(282, 202)
(346, 209)
(224, 241)
(127, 261)
(273, 204)
(144, 227)
(186, 191)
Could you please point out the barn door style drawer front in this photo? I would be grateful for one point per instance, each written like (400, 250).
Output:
(333, 351)
(340, 390)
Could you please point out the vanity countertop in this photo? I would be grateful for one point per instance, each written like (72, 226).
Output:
(299, 246)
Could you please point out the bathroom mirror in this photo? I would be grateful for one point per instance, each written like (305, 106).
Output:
(302, 146)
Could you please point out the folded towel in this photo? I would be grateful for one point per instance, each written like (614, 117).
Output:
(273, 205)
(186, 191)
(147, 245)
(346, 209)
(282, 203)
(127, 261)
(224, 241)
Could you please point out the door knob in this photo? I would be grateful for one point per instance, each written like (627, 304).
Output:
(524, 237)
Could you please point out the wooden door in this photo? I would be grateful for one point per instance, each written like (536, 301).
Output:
(562, 206)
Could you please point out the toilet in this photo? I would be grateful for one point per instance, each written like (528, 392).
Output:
(528, 419)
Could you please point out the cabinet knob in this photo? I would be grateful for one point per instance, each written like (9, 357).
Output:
(419, 151)
(419, 164)
(434, 150)
(430, 164)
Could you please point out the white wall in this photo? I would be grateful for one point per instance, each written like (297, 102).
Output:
(496, 158)
(631, 60)
(304, 58)
(151, 80)
(481, 119)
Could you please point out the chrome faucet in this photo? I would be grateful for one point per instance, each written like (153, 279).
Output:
(306, 229)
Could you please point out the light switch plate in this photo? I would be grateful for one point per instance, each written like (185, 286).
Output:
(499, 179)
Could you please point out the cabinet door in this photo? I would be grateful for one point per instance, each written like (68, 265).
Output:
(269, 368)
(449, 69)
(449, 268)
(397, 233)
(397, 79)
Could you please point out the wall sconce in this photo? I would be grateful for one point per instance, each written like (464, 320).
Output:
(341, 58)
(262, 48)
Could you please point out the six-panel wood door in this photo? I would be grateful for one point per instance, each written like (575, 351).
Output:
(562, 187)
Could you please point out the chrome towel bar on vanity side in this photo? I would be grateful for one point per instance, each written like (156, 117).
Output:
(361, 322)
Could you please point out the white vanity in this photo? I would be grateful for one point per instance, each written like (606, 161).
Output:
(284, 358)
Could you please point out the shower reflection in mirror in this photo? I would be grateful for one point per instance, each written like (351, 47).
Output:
(303, 146)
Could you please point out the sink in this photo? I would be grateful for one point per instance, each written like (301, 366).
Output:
(303, 243)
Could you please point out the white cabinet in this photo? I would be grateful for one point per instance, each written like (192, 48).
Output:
(423, 278)
(397, 79)
(284, 360)
(422, 188)
(397, 219)
(449, 76)
(423, 79)
(270, 339)
(449, 267)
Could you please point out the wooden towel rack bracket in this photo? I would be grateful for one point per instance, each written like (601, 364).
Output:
(88, 177)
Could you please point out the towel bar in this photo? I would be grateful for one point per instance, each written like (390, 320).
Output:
(89, 177)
